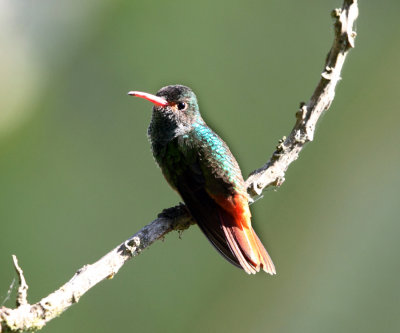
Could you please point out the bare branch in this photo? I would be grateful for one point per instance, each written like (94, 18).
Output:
(28, 317)
(288, 149)
(22, 295)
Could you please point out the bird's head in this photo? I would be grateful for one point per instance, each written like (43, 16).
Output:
(176, 103)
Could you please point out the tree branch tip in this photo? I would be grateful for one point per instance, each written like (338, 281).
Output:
(22, 293)
(344, 22)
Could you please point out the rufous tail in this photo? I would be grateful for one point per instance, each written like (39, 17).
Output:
(242, 240)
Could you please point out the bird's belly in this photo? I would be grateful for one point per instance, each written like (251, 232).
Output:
(173, 164)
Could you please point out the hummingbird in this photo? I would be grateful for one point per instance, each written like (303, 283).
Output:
(198, 164)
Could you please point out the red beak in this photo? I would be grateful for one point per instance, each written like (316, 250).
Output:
(152, 98)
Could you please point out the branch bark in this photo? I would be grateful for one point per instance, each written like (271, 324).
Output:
(27, 317)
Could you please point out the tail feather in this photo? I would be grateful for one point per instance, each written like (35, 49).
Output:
(266, 261)
(241, 237)
(233, 244)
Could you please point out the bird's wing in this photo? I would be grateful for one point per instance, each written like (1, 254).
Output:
(205, 211)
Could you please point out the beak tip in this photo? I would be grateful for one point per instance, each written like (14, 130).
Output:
(156, 100)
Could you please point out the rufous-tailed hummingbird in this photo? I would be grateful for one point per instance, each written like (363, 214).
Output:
(198, 164)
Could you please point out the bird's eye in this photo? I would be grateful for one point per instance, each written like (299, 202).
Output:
(181, 106)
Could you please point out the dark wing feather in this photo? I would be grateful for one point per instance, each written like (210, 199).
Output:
(205, 211)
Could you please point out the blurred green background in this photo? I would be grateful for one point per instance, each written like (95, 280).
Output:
(77, 176)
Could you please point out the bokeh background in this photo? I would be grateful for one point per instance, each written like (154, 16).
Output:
(77, 176)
